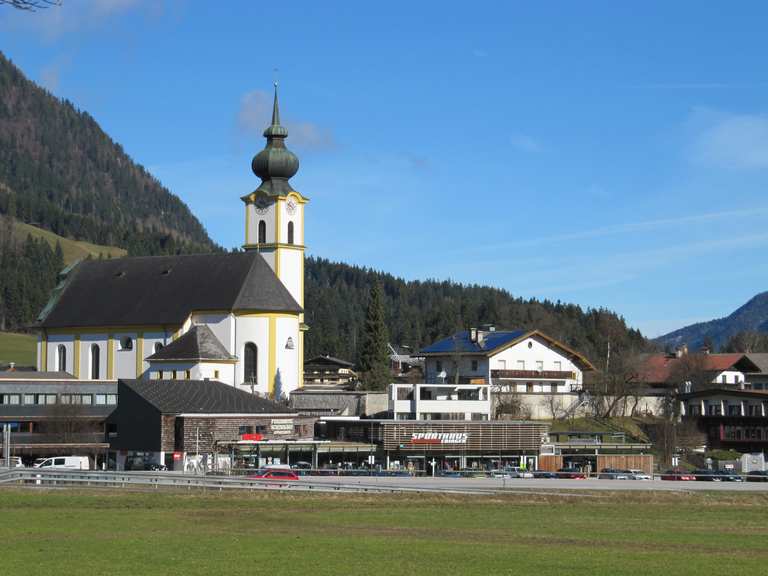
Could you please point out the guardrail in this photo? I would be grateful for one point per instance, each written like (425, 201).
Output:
(86, 478)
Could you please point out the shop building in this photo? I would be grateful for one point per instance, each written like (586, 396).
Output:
(450, 445)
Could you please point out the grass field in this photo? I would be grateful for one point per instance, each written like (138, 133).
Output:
(72, 249)
(63, 532)
(19, 348)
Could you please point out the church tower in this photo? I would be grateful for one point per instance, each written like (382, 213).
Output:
(274, 214)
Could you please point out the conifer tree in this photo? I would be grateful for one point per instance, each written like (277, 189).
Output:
(374, 352)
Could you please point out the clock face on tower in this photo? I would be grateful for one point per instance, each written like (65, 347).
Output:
(291, 206)
(262, 205)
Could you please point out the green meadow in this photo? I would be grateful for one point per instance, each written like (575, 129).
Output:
(106, 532)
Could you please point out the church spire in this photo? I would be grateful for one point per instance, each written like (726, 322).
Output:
(275, 165)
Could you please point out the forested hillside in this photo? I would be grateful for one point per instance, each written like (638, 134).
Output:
(420, 312)
(60, 171)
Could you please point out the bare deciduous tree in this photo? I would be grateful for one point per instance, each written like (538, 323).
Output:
(612, 390)
(31, 5)
(510, 405)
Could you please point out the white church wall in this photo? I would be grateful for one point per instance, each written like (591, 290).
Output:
(223, 372)
(296, 218)
(269, 220)
(253, 328)
(288, 354)
(56, 340)
(125, 358)
(291, 271)
(150, 339)
(87, 342)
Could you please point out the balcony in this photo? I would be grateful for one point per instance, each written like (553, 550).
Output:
(533, 374)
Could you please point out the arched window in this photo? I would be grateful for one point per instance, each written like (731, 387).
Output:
(61, 353)
(95, 361)
(251, 363)
(262, 232)
(290, 232)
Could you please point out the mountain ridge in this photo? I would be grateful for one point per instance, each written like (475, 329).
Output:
(751, 316)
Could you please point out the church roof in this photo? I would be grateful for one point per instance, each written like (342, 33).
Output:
(199, 343)
(200, 397)
(164, 290)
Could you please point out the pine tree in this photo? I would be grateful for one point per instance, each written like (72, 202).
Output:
(374, 352)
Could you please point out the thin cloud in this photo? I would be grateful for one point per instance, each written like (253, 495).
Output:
(50, 74)
(632, 227)
(254, 114)
(70, 17)
(734, 141)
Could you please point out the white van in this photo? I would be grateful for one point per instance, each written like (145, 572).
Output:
(15, 462)
(65, 462)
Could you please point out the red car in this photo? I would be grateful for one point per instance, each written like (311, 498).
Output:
(572, 473)
(677, 474)
(280, 474)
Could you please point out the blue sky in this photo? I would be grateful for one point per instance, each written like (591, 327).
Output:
(604, 153)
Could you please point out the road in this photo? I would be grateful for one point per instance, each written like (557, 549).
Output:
(535, 485)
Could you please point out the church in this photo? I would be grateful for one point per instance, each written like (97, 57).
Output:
(233, 317)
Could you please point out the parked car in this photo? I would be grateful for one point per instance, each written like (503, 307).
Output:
(717, 476)
(544, 474)
(613, 474)
(280, 474)
(66, 463)
(639, 474)
(728, 476)
(678, 474)
(572, 473)
(139, 463)
(15, 462)
(757, 476)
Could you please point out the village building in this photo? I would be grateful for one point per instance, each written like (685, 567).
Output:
(235, 317)
(53, 414)
(326, 371)
(541, 373)
(180, 424)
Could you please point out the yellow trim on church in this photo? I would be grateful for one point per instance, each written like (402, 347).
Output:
(76, 354)
(272, 362)
(249, 314)
(110, 357)
(44, 353)
(139, 354)
(247, 224)
(99, 330)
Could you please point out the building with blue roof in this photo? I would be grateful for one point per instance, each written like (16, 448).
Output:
(463, 371)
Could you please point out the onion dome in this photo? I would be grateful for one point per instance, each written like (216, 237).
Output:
(275, 165)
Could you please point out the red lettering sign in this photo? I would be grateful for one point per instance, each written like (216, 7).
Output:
(251, 437)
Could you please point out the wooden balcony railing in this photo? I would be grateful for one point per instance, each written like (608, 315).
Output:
(534, 374)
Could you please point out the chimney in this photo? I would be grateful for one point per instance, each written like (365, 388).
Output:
(473, 335)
